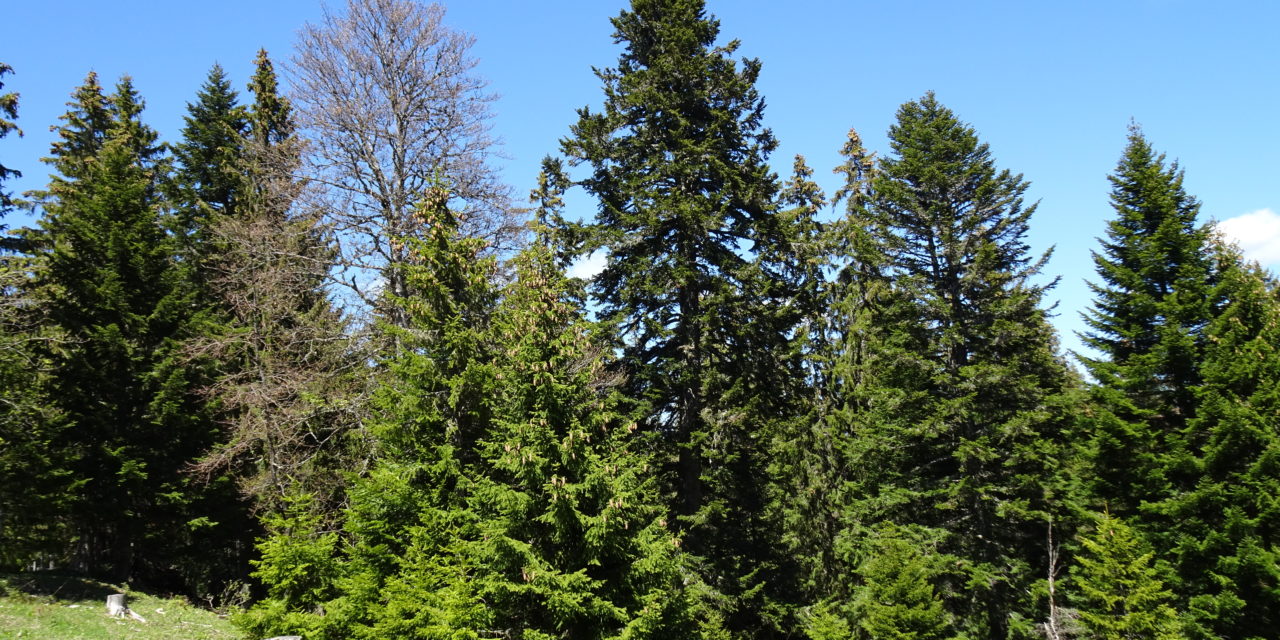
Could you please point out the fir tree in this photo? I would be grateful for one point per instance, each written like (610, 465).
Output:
(131, 419)
(897, 600)
(566, 534)
(1120, 594)
(950, 394)
(290, 375)
(1148, 321)
(210, 159)
(697, 282)
(8, 113)
(433, 407)
(1223, 538)
(31, 496)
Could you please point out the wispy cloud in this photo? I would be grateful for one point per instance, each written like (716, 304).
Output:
(588, 266)
(1257, 233)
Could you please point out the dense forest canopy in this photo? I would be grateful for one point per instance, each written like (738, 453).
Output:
(311, 360)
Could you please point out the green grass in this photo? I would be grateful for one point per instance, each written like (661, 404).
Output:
(40, 606)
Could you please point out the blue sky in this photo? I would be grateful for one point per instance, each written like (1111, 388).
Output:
(1051, 86)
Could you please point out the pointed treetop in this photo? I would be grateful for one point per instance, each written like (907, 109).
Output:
(271, 117)
(83, 129)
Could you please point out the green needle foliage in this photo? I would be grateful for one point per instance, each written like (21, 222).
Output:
(950, 397)
(1223, 539)
(898, 600)
(511, 498)
(1186, 442)
(8, 113)
(31, 496)
(1150, 311)
(130, 418)
(210, 159)
(699, 282)
(1120, 594)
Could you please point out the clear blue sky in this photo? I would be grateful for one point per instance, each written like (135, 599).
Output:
(1050, 85)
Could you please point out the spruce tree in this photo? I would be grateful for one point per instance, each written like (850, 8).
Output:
(1147, 322)
(289, 381)
(898, 600)
(8, 113)
(432, 406)
(1223, 538)
(566, 534)
(950, 391)
(698, 280)
(1182, 328)
(210, 174)
(131, 418)
(1119, 591)
(30, 496)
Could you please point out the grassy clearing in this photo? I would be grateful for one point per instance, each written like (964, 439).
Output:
(57, 607)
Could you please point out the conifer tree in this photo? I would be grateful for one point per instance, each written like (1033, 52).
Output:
(698, 278)
(289, 385)
(898, 600)
(131, 420)
(432, 408)
(1120, 594)
(212, 142)
(1222, 538)
(950, 390)
(815, 524)
(8, 113)
(1147, 321)
(565, 534)
(29, 490)
(210, 175)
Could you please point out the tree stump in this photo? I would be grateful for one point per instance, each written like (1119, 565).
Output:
(116, 608)
(115, 605)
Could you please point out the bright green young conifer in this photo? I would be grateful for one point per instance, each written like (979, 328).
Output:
(1120, 594)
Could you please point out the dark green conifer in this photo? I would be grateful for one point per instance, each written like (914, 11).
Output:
(131, 419)
(898, 600)
(699, 276)
(1147, 322)
(1223, 538)
(210, 158)
(949, 410)
(8, 113)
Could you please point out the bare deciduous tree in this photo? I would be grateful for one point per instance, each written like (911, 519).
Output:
(388, 101)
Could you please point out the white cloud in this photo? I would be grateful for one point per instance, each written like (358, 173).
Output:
(588, 266)
(1257, 234)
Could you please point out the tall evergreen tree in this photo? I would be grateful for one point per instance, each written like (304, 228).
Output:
(1223, 538)
(950, 390)
(290, 376)
(1148, 319)
(29, 489)
(131, 420)
(210, 174)
(1185, 330)
(432, 408)
(565, 533)
(8, 113)
(510, 497)
(697, 282)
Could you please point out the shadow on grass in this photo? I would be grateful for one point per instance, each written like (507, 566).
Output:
(61, 586)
